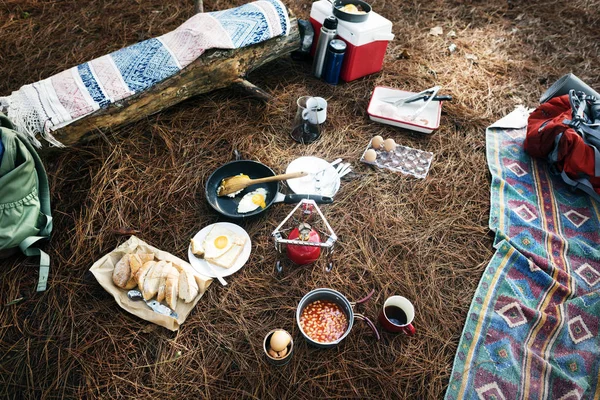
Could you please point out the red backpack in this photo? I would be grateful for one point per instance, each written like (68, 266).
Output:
(563, 131)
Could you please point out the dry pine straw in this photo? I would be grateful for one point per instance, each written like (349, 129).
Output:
(425, 239)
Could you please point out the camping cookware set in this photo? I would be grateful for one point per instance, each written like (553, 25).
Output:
(304, 234)
(308, 235)
(228, 206)
(347, 307)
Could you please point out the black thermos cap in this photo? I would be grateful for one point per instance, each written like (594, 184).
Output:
(330, 22)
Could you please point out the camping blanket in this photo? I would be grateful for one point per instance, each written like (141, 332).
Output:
(532, 328)
(44, 106)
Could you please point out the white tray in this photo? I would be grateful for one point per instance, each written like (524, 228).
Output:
(379, 111)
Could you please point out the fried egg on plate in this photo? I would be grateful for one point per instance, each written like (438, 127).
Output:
(218, 241)
(251, 201)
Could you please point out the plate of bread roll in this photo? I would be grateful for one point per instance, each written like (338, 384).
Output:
(163, 280)
(160, 279)
(224, 245)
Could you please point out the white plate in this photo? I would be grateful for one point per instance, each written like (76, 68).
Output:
(380, 111)
(201, 265)
(330, 181)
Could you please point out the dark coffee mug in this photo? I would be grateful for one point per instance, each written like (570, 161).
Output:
(397, 315)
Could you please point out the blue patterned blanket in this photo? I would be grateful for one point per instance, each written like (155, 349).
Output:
(44, 106)
(532, 328)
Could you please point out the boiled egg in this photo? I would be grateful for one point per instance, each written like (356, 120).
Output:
(376, 142)
(280, 340)
(389, 145)
(251, 201)
(370, 155)
(218, 241)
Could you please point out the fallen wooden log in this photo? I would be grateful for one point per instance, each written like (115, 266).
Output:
(215, 69)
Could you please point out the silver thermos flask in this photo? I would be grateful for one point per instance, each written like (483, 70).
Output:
(328, 32)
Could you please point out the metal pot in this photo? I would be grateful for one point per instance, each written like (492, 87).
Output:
(345, 16)
(347, 307)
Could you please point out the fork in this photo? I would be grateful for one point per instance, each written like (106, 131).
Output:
(344, 169)
(214, 271)
(216, 274)
(320, 175)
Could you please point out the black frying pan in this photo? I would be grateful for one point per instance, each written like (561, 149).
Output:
(227, 206)
(345, 16)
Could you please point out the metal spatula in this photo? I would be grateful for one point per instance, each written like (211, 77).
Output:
(414, 115)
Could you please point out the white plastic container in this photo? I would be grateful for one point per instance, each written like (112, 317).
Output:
(426, 122)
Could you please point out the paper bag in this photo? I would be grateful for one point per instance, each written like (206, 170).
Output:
(103, 270)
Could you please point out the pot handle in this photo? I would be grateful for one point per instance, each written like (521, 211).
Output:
(364, 299)
(370, 323)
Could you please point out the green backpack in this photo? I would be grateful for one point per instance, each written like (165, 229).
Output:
(25, 217)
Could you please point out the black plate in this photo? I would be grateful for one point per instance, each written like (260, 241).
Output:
(228, 206)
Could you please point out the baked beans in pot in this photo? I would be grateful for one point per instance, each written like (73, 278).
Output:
(325, 317)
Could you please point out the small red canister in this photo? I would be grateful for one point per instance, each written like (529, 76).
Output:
(303, 255)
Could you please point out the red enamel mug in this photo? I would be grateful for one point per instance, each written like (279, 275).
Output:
(397, 315)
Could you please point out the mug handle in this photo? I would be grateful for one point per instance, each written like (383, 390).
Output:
(306, 114)
(409, 330)
(364, 299)
(370, 323)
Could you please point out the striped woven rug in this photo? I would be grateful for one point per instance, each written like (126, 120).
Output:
(532, 328)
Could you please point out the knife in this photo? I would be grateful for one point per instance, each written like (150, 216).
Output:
(136, 295)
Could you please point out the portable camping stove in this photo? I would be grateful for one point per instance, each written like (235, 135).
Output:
(303, 245)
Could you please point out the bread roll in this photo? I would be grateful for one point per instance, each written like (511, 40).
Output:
(171, 285)
(160, 295)
(135, 263)
(152, 281)
(168, 271)
(140, 275)
(188, 287)
(122, 272)
(172, 289)
(201, 280)
(145, 257)
(197, 248)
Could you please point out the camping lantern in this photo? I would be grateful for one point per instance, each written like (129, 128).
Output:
(304, 243)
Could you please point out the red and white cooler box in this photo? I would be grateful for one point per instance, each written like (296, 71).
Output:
(366, 41)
